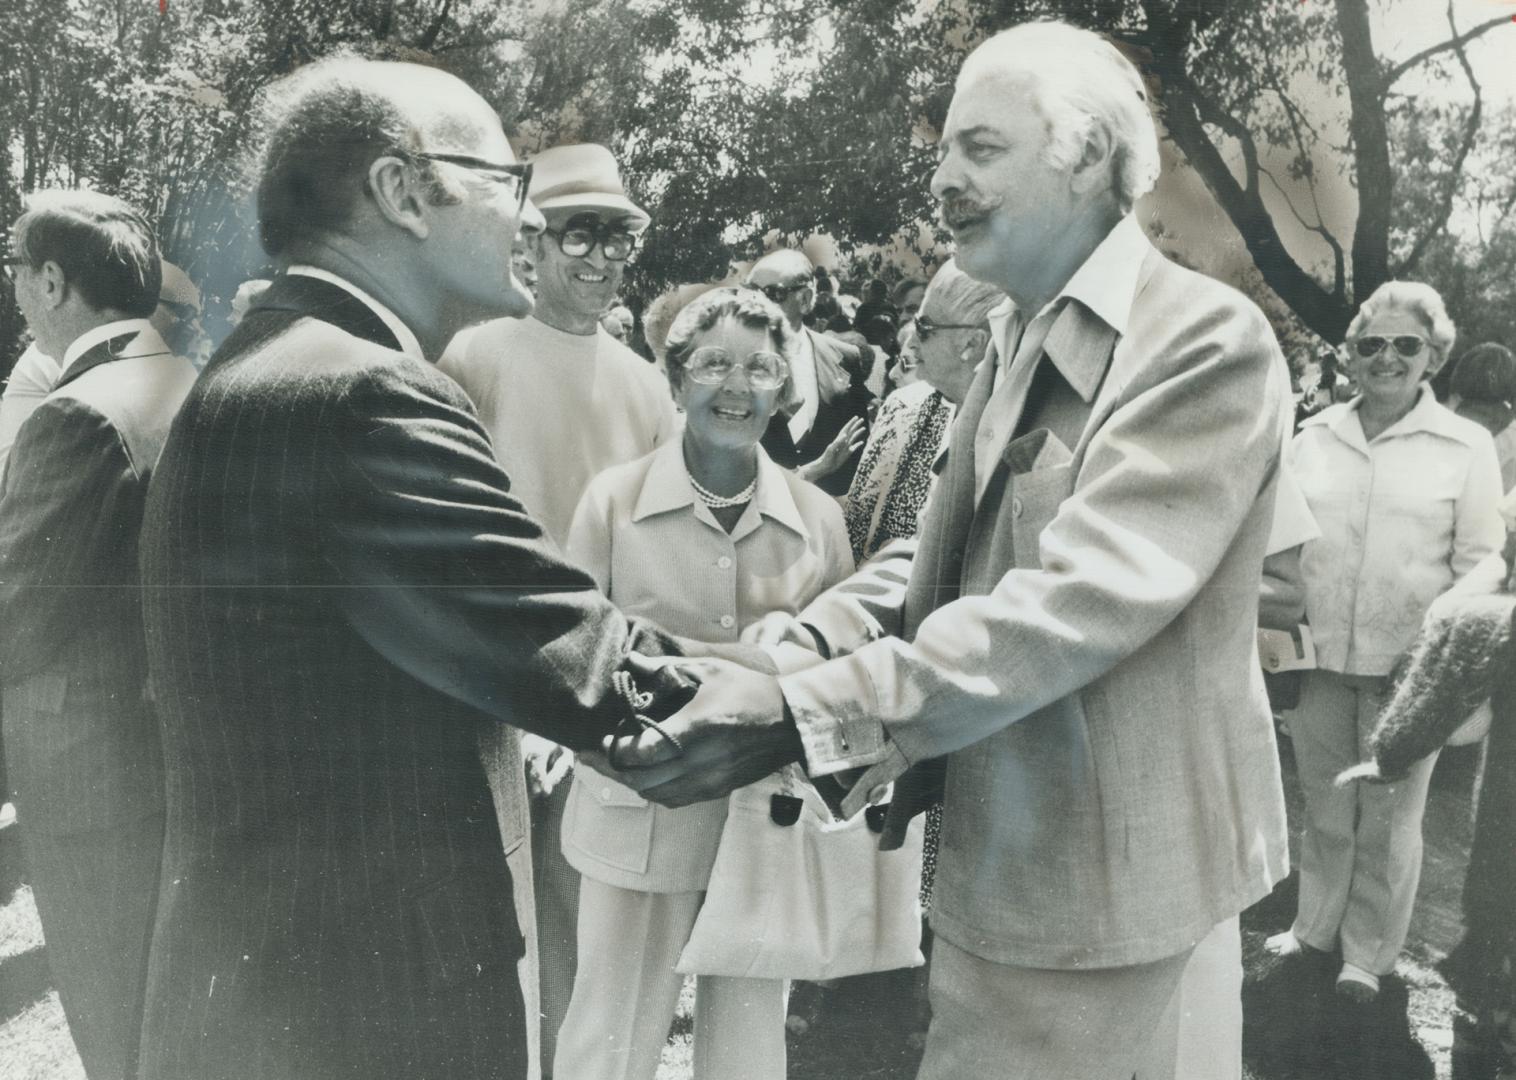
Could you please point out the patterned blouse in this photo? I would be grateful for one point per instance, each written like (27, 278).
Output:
(895, 473)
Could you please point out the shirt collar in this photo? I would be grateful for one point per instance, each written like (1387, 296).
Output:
(1427, 416)
(1081, 335)
(104, 332)
(409, 344)
(666, 487)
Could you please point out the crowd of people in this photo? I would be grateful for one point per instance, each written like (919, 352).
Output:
(386, 694)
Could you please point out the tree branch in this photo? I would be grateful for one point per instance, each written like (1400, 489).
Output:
(1339, 257)
(1455, 170)
(1457, 42)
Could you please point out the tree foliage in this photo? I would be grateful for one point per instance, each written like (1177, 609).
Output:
(736, 120)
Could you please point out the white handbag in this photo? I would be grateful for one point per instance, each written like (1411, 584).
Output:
(813, 899)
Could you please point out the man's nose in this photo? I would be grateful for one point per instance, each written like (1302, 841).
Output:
(595, 256)
(947, 179)
(532, 222)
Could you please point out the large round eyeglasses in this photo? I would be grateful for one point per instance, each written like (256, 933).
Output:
(617, 243)
(713, 365)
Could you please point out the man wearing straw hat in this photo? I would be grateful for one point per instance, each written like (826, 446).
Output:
(562, 400)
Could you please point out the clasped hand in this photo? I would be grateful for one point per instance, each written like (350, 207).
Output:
(734, 731)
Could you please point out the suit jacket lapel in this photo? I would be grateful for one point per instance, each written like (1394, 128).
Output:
(114, 348)
(937, 570)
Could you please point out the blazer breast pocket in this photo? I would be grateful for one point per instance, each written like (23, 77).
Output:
(1041, 478)
(609, 823)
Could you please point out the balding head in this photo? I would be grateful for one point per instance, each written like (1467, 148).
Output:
(331, 119)
(399, 179)
(788, 278)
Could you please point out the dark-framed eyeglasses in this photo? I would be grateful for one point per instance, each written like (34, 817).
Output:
(713, 365)
(1407, 345)
(780, 293)
(517, 176)
(925, 327)
(617, 243)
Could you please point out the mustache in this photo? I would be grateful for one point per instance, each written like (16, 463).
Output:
(959, 210)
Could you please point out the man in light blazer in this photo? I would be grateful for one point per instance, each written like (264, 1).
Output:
(1075, 633)
(340, 596)
(81, 743)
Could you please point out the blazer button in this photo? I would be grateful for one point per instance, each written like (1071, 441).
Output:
(1015, 507)
(725, 562)
(727, 622)
(605, 794)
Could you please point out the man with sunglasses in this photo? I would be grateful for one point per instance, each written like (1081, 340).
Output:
(562, 400)
(822, 431)
(340, 596)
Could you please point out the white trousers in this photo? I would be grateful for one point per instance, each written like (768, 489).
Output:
(1200, 1036)
(1014, 1023)
(1360, 854)
(626, 991)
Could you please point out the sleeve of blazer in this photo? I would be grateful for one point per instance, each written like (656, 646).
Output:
(1165, 484)
(449, 579)
(68, 521)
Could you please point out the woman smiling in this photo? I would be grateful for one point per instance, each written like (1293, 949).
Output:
(1404, 492)
(705, 535)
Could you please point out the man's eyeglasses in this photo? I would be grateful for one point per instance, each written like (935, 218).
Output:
(617, 243)
(925, 327)
(780, 293)
(712, 365)
(517, 176)
(1407, 345)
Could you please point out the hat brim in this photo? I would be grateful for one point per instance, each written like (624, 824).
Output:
(599, 202)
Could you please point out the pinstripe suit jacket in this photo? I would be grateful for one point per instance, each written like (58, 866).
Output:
(339, 594)
(82, 745)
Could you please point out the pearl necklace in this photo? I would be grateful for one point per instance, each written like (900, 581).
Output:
(722, 502)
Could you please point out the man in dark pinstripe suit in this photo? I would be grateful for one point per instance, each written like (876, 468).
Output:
(340, 592)
(80, 740)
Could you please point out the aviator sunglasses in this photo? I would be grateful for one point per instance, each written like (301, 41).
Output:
(1407, 345)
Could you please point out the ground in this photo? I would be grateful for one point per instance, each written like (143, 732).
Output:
(1294, 1028)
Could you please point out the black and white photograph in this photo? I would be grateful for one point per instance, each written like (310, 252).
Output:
(758, 540)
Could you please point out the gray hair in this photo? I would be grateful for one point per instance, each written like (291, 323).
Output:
(960, 298)
(1082, 80)
(745, 306)
(1418, 299)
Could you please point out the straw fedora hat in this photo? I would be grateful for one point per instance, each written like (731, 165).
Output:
(582, 177)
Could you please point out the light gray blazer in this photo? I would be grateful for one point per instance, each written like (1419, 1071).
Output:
(1079, 641)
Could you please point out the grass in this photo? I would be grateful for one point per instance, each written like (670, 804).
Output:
(1295, 1029)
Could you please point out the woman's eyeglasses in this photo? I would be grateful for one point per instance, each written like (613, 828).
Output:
(617, 243)
(712, 365)
(1407, 345)
(517, 176)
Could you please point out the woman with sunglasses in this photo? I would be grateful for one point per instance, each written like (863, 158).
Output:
(1404, 492)
(704, 536)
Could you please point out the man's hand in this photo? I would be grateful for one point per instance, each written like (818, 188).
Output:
(779, 628)
(733, 732)
(547, 764)
(847, 443)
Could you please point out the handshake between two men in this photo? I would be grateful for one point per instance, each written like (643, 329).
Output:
(733, 731)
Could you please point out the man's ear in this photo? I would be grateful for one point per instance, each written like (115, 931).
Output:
(973, 352)
(54, 282)
(1093, 171)
(397, 193)
(807, 299)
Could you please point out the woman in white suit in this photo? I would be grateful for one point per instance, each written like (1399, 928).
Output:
(705, 535)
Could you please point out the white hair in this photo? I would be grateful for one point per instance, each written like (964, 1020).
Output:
(1420, 300)
(1081, 80)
